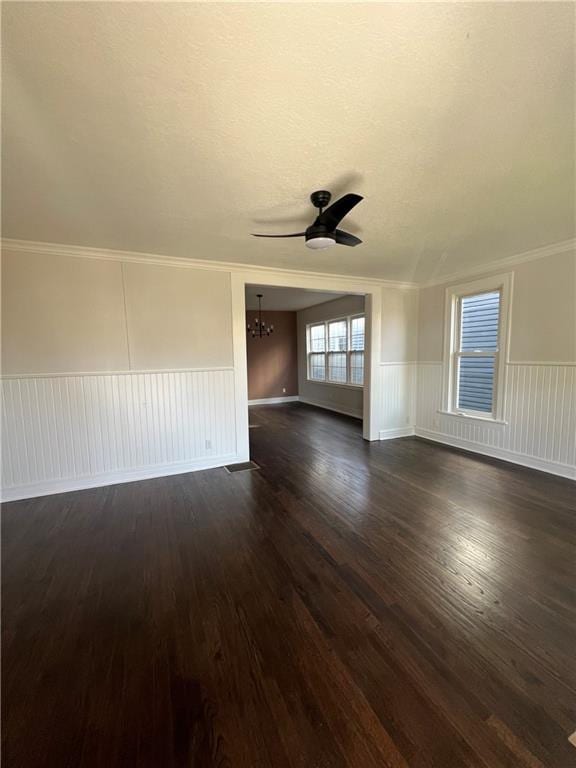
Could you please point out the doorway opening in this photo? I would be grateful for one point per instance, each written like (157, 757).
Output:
(305, 346)
(314, 290)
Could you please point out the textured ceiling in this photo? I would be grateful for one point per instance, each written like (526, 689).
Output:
(178, 128)
(286, 299)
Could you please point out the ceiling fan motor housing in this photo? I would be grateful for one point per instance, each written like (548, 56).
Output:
(321, 198)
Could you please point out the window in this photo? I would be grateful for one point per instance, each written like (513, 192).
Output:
(476, 334)
(478, 351)
(317, 352)
(357, 350)
(336, 351)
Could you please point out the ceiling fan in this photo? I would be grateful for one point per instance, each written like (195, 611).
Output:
(323, 232)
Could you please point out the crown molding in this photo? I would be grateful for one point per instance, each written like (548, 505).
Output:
(85, 252)
(498, 265)
(105, 254)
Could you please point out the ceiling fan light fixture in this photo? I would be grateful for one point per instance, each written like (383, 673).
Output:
(324, 231)
(321, 241)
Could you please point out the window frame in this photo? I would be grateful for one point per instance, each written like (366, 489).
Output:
(501, 284)
(327, 353)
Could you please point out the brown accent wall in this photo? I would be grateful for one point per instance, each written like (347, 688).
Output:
(273, 360)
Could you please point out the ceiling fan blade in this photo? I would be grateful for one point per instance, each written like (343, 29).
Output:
(296, 234)
(334, 214)
(345, 238)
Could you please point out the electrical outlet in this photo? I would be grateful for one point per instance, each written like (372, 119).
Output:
(208, 444)
(284, 390)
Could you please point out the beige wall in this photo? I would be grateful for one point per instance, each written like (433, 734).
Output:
(62, 314)
(543, 317)
(544, 310)
(343, 398)
(430, 324)
(399, 325)
(178, 317)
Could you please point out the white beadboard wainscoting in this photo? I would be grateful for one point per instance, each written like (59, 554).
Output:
(66, 432)
(397, 382)
(539, 411)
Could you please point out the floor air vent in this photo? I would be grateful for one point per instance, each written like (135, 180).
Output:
(244, 467)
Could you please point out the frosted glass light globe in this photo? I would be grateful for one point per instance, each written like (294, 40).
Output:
(320, 242)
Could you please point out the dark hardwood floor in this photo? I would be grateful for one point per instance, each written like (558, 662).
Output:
(349, 604)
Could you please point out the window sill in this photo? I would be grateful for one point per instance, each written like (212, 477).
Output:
(335, 384)
(480, 419)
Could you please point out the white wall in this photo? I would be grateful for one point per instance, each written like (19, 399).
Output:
(540, 373)
(337, 397)
(398, 366)
(115, 368)
(78, 431)
(112, 371)
(118, 366)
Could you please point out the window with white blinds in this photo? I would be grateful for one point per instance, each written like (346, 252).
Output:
(335, 351)
(474, 375)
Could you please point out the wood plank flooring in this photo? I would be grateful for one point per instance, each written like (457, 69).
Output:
(348, 604)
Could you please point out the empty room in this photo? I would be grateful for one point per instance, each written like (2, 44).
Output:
(288, 373)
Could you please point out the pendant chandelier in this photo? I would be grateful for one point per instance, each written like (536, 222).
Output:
(259, 329)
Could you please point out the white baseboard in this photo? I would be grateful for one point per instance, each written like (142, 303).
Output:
(330, 407)
(50, 487)
(274, 400)
(391, 434)
(552, 467)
